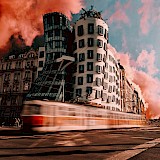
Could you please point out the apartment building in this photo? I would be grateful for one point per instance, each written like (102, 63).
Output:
(18, 72)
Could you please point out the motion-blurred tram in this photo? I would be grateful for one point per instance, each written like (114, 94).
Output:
(49, 116)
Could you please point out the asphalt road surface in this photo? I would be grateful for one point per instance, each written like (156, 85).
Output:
(118, 144)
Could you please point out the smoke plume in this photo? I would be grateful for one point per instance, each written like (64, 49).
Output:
(25, 17)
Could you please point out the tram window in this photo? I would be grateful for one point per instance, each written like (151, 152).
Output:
(32, 109)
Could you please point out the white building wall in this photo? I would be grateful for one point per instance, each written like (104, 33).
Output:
(104, 64)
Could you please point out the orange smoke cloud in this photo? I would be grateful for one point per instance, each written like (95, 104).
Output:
(25, 17)
(142, 81)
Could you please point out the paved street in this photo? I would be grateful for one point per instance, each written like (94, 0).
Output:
(120, 144)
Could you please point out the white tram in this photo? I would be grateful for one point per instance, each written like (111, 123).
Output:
(49, 116)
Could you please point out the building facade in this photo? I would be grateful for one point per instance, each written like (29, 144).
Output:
(74, 65)
(58, 47)
(130, 100)
(17, 75)
(96, 77)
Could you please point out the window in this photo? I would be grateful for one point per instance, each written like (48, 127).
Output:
(74, 80)
(113, 98)
(89, 66)
(105, 34)
(107, 38)
(64, 22)
(98, 94)
(27, 74)
(56, 19)
(105, 46)
(99, 57)
(81, 43)
(110, 68)
(49, 21)
(90, 42)
(32, 63)
(114, 88)
(110, 78)
(41, 54)
(99, 43)
(18, 65)
(50, 33)
(40, 63)
(80, 80)
(100, 30)
(89, 78)
(90, 54)
(89, 90)
(50, 45)
(78, 92)
(98, 81)
(57, 32)
(98, 69)
(80, 30)
(106, 75)
(74, 46)
(15, 88)
(106, 65)
(75, 56)
(90, 28)
(17, 76)
(105, 86)
(81, 57)
(110, 89)
(49, 56)
(57, 44)
(74, 68)
(81, 68)
(104, 96)
(26, 86)
(64, 44)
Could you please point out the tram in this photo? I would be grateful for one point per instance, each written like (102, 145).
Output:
(51, 116)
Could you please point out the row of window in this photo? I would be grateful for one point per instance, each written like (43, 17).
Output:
(55, 20)
(99, 69)
(90, 43)
(56, 44)
(89, 68)
(7, 76)
(98, 94)
(91, 29)
(90, 56)
(16, 87)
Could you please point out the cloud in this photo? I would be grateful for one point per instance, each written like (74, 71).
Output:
(124, 42)
(150, 14)
(147, 60)
(25, 17)
(120, 13)
(145, 11)
(144, 82)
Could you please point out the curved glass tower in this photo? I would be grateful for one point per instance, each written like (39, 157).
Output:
(54, 82)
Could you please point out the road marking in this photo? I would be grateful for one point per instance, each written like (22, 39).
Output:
(43, 138)
(135, 150)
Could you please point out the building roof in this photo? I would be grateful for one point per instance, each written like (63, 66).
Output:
(90, 13)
